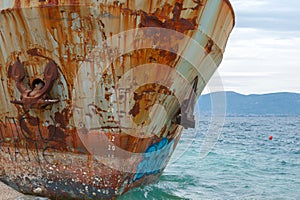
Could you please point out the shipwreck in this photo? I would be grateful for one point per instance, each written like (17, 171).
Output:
(95, 93)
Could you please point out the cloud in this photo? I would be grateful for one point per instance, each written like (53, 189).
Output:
(268, 14)
(244, 5)
(262, 53)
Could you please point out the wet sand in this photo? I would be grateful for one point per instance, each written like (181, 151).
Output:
(7, 193)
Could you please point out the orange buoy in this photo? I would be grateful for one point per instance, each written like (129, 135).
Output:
(270, 137)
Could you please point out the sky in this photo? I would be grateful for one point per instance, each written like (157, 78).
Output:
(263, 51)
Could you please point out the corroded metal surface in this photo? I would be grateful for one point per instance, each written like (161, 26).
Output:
(95, 94)
(37, 96)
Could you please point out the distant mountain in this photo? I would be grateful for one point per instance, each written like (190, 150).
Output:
(283, 103)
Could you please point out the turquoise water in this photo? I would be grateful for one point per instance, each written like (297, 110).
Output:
(244, 163)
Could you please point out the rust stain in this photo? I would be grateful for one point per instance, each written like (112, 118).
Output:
(44, 49)
(209, 45)
(176, 22)
(17, 4)
(38, 96)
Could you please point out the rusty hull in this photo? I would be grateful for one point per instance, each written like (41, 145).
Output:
(77, 124)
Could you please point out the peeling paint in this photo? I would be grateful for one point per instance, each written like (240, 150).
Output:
(82, 103)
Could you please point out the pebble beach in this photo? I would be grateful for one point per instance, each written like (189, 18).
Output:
(7, 193)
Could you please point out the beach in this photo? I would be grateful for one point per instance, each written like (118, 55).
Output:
(7, 193)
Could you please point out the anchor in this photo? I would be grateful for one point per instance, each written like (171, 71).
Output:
(37, 97)
(186, 117)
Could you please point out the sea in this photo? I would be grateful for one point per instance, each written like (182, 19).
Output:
(244, 163)
(254, 157)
